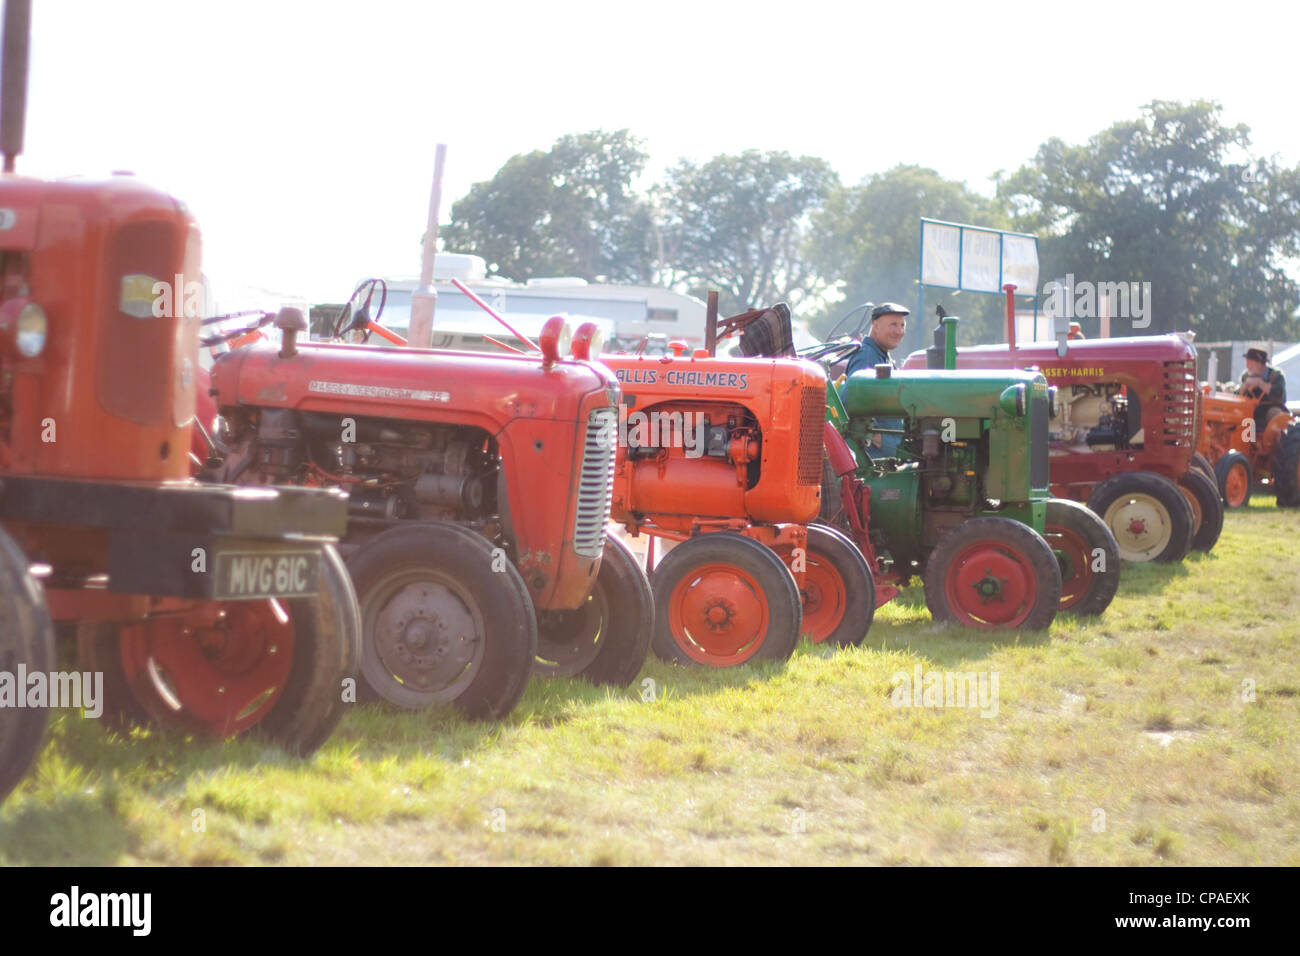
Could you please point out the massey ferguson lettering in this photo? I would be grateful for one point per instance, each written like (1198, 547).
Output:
(377, 391)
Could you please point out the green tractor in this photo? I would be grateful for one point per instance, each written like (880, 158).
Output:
(964, 501)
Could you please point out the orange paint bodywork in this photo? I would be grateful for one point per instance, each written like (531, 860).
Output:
(1225, 430)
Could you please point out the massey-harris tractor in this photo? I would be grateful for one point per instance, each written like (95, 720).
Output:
(478, 492)
(1243, 455)
(211, 608)
(723, 457)
(1123, 436)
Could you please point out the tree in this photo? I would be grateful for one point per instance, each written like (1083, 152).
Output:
(569, 211)
(867, 242)
(740, 224)
(1175, 199)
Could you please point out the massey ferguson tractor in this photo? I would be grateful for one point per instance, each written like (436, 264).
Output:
(723, 457)
(212, 608)
(1244, 456)
(1123, 436)
(478, 489)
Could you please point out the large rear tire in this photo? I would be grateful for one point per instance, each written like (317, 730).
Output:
(607, 639)
(991, 573)
(26, 639)
(1286, 468)
(1087, 554)
(445, 619)
(1234, 477)
(1207, 508)
(1147, 514)
(839, 592)
(275, 668)
(1202, 464)
(722, 599)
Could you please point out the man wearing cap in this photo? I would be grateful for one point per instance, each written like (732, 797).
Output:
(888, 326)
(1262, 381)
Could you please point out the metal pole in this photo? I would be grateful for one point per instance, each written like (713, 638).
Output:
(13, 97)
(425, 298)
(711, 323)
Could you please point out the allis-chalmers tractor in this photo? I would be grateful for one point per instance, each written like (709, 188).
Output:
(1123, 436)
(478, 493)
(723, 457)
(214, 608)
(1243, 456)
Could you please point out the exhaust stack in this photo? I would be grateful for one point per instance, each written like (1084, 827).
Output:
(13, 82)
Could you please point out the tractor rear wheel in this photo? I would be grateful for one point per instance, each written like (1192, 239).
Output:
(1207, 508)
(839, 593)
(26, 640)
(722, 599)
(1286, 467)
(1234, 477)
(1148, 515)
(271, 667)
(993, 572)
(446, 618)
(606, 640)
(1087, 554)
(1202, 464)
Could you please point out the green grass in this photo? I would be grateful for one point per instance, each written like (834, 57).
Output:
(1126, 740)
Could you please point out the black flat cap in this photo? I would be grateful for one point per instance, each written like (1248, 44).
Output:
(889, 308)
(1259, 355)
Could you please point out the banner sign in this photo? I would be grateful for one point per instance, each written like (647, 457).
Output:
(975, 259)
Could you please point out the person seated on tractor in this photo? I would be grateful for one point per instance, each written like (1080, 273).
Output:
(1262, 381)
(888, 326)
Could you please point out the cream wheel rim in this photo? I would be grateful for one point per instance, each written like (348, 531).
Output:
(1141, 526)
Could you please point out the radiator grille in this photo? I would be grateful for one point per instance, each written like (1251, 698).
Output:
(596, 483)
(1039, 471)
(1178, 404)
(812, 420)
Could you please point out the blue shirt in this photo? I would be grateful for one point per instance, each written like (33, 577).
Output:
(866, 360)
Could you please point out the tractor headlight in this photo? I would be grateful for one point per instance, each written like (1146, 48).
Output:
(1051, 401)
(554, 340)
(30, 331)
(588, 342)
(1014, 400)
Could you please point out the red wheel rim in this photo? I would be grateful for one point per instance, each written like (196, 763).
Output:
(825, 598)
(1075, 558)
(223, 676)
(718, 615)
(1235, 486)
(989, 584)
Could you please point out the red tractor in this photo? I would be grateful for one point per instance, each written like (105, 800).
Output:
(207, 607)
(478, 492)
(1124, 437)
(724, 457)
(1245, 456)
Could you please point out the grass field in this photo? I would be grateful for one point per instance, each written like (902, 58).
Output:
(1164, 733)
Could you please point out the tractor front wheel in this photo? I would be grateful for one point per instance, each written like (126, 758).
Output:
(1234, 476)
(993, 572)
(446, 618)
(1087, 554)
(722, 599)
(1148, 515)
(606, 640)
(26, 640)
(1286, 468)
(1203, 496)
(839, 592)
(275, 667)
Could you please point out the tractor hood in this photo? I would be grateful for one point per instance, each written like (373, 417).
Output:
(1082, 355)
(935, 393)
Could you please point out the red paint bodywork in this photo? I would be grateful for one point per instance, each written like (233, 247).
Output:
(1160, 370)
(537, 414)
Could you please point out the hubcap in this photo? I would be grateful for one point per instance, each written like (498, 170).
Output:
(426, 632)
(989, 584)
(718, 615)
(1235, 485)
(1141, 525)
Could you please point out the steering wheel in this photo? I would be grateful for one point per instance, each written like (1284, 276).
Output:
(832, 353)
(865, 308)
(356, 311)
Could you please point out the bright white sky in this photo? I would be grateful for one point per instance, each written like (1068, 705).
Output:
(302, 133)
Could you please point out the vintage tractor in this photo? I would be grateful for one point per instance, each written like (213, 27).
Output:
(212, 608)
(1244, 456)
(478, 492)
(723, 457)
(1123, 436)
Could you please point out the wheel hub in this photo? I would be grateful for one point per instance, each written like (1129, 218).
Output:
(989, 588)
(425, 635)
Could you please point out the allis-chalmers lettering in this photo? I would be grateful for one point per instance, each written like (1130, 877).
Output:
(684, 378)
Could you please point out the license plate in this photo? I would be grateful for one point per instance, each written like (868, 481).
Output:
(243, 575)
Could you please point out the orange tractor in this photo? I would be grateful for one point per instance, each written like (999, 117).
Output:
(1245, 457)
(206, 607)
(724, 458)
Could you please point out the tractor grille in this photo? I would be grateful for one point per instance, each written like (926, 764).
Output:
(1040, 439)
(596, 483)
(812, 418)
(1178, 405)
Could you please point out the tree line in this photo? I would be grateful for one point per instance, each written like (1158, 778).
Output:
(1173, 197)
